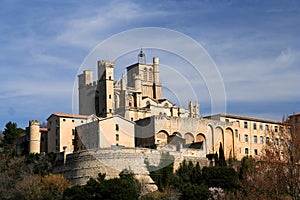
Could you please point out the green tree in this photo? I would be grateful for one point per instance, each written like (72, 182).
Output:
(195, 192)
(222, 161)
(11, 133)
(125, 187)
(223, 177)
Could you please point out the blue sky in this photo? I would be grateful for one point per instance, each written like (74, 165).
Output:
(254, 44)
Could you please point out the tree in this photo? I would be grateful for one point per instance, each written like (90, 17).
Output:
(195, 192)
(223, 177)
(278, 167)
(11, 133)
(125, 187)
(222, 161)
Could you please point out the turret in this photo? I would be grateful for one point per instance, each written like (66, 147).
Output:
(34, 136)
(156, 84)
(156, 69)
(123, 83)
(191, 109)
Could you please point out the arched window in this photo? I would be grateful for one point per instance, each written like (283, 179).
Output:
(150, 74)
(145, 74)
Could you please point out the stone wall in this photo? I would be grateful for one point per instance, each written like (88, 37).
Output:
(79, 167)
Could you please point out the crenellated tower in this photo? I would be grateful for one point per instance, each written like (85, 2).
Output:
(104, 98)
(34, 136)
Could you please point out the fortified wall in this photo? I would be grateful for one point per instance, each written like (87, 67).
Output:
(79, 167)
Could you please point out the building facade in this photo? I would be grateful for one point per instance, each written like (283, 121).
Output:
(109, 132)
(61, 131)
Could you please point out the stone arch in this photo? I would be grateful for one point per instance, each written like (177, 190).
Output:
(189, 138)
(219, 138)
(145, 74)
(200, 137)
(229, 143)
(150, 75)
(177, 133)
(161, 138)
(210, 145)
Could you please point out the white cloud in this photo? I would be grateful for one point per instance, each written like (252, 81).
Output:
(88, 31)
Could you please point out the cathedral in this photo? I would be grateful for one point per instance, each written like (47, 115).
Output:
(159, 122)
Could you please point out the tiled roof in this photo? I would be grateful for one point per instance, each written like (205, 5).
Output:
(244, 118)
(43, 130)
(69, 115)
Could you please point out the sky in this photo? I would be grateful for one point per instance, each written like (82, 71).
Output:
(254, 46)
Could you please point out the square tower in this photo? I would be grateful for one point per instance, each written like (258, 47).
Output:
(105, 89)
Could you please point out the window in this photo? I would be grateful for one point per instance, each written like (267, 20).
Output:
(64, 120)
(255, 139)
(276, 129)
(246, 138)
(73, 142)
(261, 127)
(236, 133)
(117, 127)
(109, 77)
(131, 118)
(150, 74)
(255, 152)
(267, 127)
(109, 110)
(246, 151)
(226, 120)
(245, 124)
(72, 120)
(73, 131)
(261, 139)
(276, 141)
(117, 137)
(145, 74)
(254, 126)
(109, 96)
(267, 140)
(238, 122)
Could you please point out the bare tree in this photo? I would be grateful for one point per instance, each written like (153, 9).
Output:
(277, 172)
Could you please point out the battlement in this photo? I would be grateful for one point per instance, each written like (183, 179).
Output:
(106, 63)
(34, 123)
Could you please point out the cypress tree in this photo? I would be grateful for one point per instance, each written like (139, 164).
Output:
(222, 161)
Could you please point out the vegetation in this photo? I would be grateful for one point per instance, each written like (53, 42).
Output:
(11, 133)
(125, 187)
(272, 176)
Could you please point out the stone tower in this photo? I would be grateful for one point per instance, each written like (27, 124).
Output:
(86, 93)
(148, 76)
(34, 136)
(104, 98)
